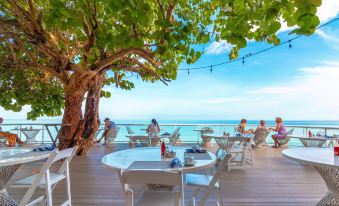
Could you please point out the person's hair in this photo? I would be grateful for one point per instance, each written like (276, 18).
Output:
(262, 122)
(243, 121)
(154, 121)
(278, 119)
(106, 119)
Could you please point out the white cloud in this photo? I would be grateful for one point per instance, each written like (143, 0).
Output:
(314, 96)
(327, 36)
(220, 47)
(225, 100)
(328, 10)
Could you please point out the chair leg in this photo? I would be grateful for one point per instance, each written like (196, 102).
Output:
(68, 185)
(220, 201)
(48, 189)
(192, 202)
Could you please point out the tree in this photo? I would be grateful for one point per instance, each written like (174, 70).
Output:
(58, 54)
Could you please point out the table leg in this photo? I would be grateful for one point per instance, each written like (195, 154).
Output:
(5, 174)
(331, 178)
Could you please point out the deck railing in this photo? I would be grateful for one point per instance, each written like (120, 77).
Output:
(187, 132)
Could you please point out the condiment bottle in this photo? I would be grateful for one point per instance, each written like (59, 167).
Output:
(336, 148)
(163, 148)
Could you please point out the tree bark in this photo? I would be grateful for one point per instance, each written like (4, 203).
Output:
(91, 122)
(74, 95)
(79, 128)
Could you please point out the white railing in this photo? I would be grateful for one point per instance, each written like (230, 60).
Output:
(187, 130)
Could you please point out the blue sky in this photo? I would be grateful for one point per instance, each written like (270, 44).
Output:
(298, 84)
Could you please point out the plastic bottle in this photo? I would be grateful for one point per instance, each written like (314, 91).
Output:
(163, 148)
(336, 148)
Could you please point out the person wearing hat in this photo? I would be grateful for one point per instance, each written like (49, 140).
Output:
(108, 126)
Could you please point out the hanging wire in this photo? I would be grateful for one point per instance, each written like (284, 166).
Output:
(260, 51)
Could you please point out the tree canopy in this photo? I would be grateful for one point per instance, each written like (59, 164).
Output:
(46, 43)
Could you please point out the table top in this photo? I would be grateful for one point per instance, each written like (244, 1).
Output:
(124, 158)
(321, 157)
(315, 138)
(13, 156)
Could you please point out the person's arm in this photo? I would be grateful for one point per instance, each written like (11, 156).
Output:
(277, 128)
(158, 127)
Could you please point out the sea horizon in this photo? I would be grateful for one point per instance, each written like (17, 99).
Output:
(177, 121)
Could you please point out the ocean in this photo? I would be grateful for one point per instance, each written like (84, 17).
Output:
(186, 127)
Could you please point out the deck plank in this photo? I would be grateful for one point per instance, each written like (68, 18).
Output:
(272, 181)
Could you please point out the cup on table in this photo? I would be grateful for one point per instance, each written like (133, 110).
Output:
(189, 160)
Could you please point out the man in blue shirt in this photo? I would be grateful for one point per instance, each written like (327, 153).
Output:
(108, 126)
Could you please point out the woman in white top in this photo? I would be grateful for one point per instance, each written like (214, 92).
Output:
(153, 129)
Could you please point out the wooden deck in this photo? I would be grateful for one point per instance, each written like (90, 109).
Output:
(273, 180)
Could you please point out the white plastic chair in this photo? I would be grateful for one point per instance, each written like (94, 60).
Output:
(153, 198)
(284, 141)
(26, 200)
(259, 138)
(209, 183)
(238, 149)
(50, 178)
(112, 134)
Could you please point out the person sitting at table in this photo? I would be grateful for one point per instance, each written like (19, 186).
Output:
(281, 132)
(7, 134)
(153, 129)
(261, 126)
(108, 126)
(241, 128)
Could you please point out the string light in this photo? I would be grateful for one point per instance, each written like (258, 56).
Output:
(211, 70)
(258, 52)
(188, 71)
(243, 60)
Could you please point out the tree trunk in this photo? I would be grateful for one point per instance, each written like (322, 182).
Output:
(78, 129)
(91, 121)
(74, 95)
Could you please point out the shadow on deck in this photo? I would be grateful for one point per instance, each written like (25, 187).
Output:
(272, 180)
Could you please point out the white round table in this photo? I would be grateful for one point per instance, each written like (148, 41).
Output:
(316, 141)
(10, 161)
(121, 160)
(30, 134)
(324, 161)
(149, 159)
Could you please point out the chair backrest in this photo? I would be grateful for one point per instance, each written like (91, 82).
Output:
(176, 131)
(129, 130)
(141, 177)
(260, 135)
(222, 142)
(66, 155)
(45, 167)
(113, 133)
(289, 132)
(144, 177)
(221, 166)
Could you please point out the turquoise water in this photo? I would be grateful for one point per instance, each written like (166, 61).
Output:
(186, 131)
